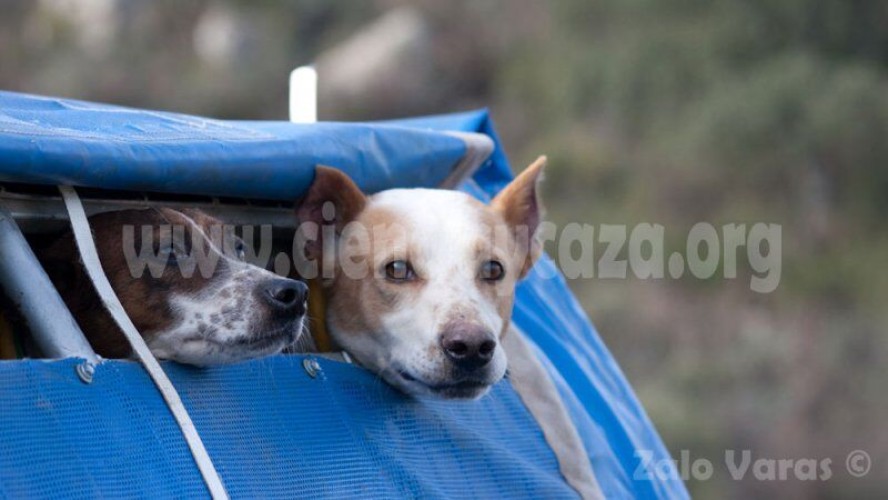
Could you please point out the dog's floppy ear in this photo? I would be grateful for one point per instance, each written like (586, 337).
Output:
(332, 199)
(519, 204)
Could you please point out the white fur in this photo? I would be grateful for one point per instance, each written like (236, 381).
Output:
(222, 323)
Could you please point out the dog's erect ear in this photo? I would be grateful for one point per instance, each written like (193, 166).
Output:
(332, 199)
(519, 205)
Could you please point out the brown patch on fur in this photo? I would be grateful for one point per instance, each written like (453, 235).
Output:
(389, 238)
(329, 186)
(501, 245)
(356, 303)
(144, 299)
(501, 293)
(343, 298)
(518, 203)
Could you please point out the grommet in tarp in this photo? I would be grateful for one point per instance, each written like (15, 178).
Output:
(311, 366)
(85, 371)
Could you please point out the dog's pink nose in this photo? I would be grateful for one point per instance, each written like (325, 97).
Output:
(468, 346)
(286, 295)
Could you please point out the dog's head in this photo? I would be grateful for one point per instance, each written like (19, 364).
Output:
(183, 280)
(420, 282)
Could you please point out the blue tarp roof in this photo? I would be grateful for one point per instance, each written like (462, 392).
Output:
(271, 430)
(61, 141)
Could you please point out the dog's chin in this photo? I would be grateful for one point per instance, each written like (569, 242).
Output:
(467, 388)
(273, 337)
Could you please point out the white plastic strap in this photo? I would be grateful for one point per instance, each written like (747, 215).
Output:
(90, 256)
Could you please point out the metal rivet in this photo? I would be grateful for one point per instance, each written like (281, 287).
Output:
(312, 368)
(85, 371)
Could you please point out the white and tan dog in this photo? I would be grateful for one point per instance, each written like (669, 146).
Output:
(419, 283)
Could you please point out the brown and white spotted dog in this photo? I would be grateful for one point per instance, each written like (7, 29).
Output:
(419, 283)
(227, 312)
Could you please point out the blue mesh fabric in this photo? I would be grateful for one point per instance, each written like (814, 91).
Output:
(272, 430)
(62, 438)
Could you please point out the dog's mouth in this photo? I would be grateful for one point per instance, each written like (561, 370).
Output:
(263, 342)
(252, 345)
(281, 337)
(461, 389)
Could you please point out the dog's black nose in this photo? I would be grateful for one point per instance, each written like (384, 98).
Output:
(286, 295)
(468, 346)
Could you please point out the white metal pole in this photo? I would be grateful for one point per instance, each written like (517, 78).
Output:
(304, 95)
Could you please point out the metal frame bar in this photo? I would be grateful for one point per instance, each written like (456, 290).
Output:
(28, 286)
(45, 213)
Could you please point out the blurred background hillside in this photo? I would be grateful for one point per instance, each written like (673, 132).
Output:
(661, 111)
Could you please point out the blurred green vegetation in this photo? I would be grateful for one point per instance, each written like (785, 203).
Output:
(682, 111)
(663, 111)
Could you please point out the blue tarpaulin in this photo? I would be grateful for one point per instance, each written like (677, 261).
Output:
(54, 141)
(272, 430)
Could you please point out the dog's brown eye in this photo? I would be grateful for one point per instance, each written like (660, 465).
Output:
(492, 271)
(399, 270)
(167, 253)
(240, 251)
